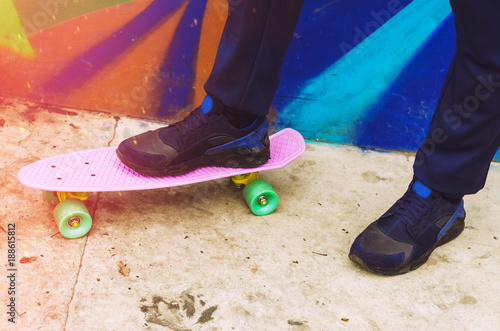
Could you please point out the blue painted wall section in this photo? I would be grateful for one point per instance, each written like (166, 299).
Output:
(370, 75)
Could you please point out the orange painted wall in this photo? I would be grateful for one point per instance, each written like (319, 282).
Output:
(112, 59)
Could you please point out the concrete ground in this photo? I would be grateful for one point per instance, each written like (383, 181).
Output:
(196, 258)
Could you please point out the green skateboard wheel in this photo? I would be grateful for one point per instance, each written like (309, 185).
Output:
(260, 197)
(51, 197)
(73, 218)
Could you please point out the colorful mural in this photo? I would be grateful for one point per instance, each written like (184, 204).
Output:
(359, 72)
(136, 57)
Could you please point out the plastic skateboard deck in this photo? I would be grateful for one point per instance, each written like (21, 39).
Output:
(100, 170)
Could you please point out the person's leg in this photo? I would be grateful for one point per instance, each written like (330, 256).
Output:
(229, 129)
(246, 72)
(454, 158)
(464, 134)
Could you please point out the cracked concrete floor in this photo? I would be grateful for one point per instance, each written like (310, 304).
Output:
(195, 258)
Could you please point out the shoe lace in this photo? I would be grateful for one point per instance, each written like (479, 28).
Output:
(194, 120)
(410, 208)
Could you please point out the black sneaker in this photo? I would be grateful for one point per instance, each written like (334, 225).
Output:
(205, 138)
(404, 237)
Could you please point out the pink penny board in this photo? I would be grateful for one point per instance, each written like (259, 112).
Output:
(100, 170)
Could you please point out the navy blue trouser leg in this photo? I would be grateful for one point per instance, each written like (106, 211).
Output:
(246, 72)
(464, 133)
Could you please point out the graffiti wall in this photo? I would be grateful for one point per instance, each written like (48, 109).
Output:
(138, 57)
(362, 72)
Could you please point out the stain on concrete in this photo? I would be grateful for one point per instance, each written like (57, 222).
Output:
(293, 322)
(123, 269)
(29, 110)
(206, 315)
(371, 177)
(431, 262)
(163, 313)
(181, 313)
(443, 258)
(298, 325)
(468, 300)
(485, 256)
(188, 304)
